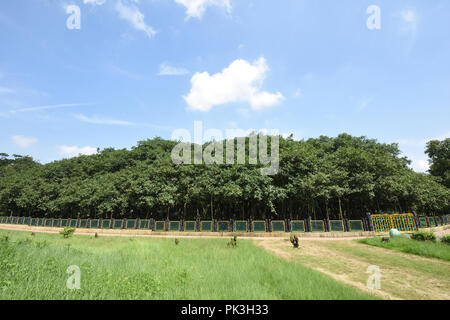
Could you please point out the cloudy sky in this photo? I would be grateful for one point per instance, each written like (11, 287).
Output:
(129, 70)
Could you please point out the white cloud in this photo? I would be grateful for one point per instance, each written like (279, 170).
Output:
(24, 142)
(420, 165)
(4, 90)
(167, 70)
(363, 103)
(132, 14)
(196, 8)
(101, 120)
(74, 151)
(410, 23)
(408, 16)
(97, 2)
(239, 82)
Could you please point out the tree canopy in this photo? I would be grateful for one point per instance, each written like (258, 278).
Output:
(439, 154)
(341, 177)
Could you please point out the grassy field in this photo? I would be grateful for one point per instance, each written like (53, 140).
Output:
(422, 248)
(403, 276)
(34, 267)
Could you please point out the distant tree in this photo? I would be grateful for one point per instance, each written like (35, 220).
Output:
(439, 153)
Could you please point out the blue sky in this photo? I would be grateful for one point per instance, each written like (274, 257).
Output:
(139, 69)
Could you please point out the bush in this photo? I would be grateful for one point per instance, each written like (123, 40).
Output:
(423, 236)
(294, 240)
(446, 239)
(67, 232)
(232, 243)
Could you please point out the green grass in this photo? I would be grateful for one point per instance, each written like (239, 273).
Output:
(34, 267)
(421, 248)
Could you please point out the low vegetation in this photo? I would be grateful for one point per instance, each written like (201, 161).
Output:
(423, 236)
(428, 249)
(116, 268)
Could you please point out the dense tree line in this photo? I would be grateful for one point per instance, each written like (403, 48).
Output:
(337, 177)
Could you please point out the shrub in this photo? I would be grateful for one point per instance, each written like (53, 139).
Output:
(294, 240)
(446, 239)
(233, 242)
(423, 236)
(177, 241)
(67, 232)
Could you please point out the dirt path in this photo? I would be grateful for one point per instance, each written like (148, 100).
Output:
(209, 235)
(403, 276)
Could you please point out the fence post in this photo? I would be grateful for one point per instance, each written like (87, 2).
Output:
(308, 224)
(345, 222)
(416, 220)
(369, 221)
(327, 225)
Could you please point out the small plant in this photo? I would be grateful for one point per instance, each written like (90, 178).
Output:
(294, 240)
(423, 236)
(32, 234)
(96, 235)
(177, 241)
(67, 232)
(446, 239)
(385, 239)
(232, 243)
(5, 239)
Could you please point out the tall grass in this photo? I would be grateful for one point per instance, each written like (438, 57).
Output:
(34, 267)
(421, 248)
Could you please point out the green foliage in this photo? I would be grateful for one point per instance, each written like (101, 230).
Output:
(403, 244)
(439, 153)
(423, 236)
(233, 242)
(446, 239)
(67, 232)
(177, 241)
(340, 177)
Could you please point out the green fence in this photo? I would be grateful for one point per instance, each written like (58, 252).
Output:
(94, 223)
(337, 225)
(423, 222)
(106, 224)
(174, 226)
(317, 226)
(241, 226)
(223, 226)
(380, 223)
(258, 226)
(206, 226)
(431, 222)
(131, 224)
(278, 226)
(189, 226)
(118, 224)
(160, 226)
(297, 226)
(144, 224)
(355, 225)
